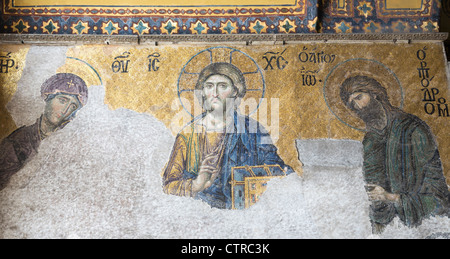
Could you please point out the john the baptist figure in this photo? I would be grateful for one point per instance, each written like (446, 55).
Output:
(402, 165)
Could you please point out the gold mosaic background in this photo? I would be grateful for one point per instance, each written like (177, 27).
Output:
(9, 77)
(290, 73)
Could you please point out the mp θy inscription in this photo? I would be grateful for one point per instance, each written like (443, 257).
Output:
(121, 63)
(6, 62)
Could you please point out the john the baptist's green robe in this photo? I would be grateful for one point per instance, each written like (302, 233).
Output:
(404, 159)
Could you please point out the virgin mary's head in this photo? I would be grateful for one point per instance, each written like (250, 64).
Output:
(64, 94)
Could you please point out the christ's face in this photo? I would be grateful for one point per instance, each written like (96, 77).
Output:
(60, 108)
(216, 90)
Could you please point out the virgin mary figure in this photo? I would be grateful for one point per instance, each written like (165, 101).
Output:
(64, 95)
(212, 144)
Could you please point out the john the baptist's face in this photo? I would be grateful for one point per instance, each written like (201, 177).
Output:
(216, 90)
(369, 109)
(359, 100)
(60, 108)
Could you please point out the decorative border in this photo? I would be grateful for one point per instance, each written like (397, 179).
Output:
(301, 17)
(297, 8)
(339, 8)
(144, 26)
(244, 39)
(424, 11)
(371, 16)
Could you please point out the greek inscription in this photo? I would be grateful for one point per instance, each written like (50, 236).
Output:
(153, 62)
(316, 57)
(121, 63)
(6, 63)
(429, 95)
(433, 104)
(443, 107)
(277, 58)
(309, 77)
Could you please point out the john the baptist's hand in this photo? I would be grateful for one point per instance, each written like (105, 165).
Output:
(378, 193)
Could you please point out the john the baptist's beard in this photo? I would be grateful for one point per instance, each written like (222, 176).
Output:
(373, 114)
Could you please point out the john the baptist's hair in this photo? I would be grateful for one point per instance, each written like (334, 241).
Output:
(364, 84)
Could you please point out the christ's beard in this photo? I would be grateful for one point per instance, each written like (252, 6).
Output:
(221, 110)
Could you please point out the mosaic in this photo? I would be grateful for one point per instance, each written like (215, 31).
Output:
(176, 17)
(386, 16)
(234, 123)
